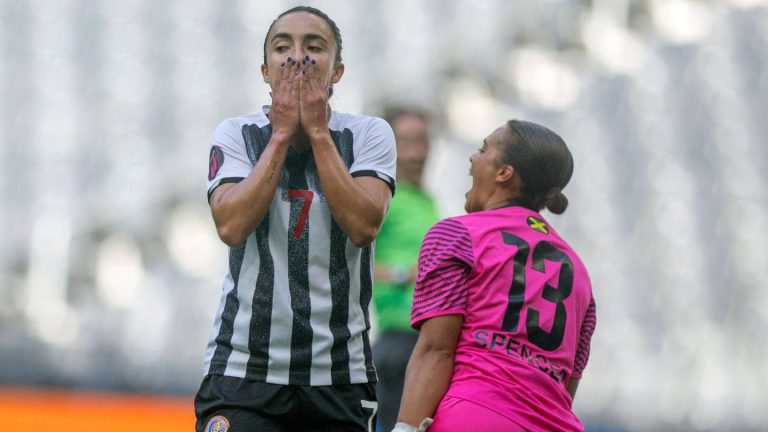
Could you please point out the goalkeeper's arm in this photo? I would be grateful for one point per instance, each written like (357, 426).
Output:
(430, 368)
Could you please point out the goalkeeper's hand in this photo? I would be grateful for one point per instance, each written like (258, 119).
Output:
(405, 427)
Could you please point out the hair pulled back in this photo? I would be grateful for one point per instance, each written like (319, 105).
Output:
(544, 163)
(317, 12)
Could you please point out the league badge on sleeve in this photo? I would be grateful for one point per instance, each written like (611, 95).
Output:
(538, 225)
(215, 160)
(217, 424)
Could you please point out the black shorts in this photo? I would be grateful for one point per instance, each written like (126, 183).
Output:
(229, 404)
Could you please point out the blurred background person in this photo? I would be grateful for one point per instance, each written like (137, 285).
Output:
(411, 213)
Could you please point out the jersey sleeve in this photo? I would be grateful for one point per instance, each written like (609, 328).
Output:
(378, 154)
(227, 159)
(445, 264)
(585, 338)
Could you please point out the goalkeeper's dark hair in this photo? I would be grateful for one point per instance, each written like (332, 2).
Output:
(543, 162)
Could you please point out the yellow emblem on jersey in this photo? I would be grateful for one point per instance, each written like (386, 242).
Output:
(217, 424)
(538, 225)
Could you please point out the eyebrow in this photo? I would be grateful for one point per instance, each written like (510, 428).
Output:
(308, 37)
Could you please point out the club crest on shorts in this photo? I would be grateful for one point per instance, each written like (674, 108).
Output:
(215, 160)
(217, 424)
(538, 225)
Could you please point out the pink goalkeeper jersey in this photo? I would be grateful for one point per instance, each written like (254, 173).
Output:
(528, 312)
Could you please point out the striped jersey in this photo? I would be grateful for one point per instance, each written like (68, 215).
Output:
(294, 304)
(528, 310)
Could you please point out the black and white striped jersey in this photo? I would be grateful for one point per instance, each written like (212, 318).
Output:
(294, 306)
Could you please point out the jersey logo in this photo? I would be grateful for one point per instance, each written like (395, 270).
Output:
(217, 424)
(215, 161)
(538, 225)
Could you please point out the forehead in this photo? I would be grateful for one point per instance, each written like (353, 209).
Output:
(498, 138)
(409, 122)
(302, 23)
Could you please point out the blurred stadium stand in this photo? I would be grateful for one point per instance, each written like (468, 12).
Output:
(110, 268)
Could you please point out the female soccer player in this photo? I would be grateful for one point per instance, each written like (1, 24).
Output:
(299, 193)
(503, 304)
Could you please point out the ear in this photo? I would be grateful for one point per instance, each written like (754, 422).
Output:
(265, 73)
(338, 71)
(505, 174)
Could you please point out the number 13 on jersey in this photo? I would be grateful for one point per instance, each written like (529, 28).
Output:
(542, 251)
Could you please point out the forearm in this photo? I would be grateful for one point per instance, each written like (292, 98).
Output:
(359, 214)
(240, 208)
(573, 385)
(426, 381)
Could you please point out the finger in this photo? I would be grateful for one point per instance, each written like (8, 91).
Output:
(308, 73)
(293, 80)
(282, 77)
(316, 79)
(305, 74)
(302, 88)
(288, 74)
(313, 68)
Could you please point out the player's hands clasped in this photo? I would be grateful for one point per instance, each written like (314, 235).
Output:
(285, 114)
(313, 98)
(299, 99)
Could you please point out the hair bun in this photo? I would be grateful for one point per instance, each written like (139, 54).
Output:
(556, 202)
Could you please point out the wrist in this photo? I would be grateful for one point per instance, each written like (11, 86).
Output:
(281, 136)
(318, 134)
(404, 427)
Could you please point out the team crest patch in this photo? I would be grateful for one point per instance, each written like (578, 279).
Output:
(215, 160)
(217, 424)
(538, 225)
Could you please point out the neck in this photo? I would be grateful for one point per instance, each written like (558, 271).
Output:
(499, 200)
(414, 181)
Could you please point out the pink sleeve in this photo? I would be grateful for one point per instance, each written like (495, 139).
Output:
(582, 351)
(445, 262)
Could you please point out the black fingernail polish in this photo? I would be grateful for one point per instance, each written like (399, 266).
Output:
(289, 59)
(282, 64)
(306, 57)
(314, 61)
(304, 62)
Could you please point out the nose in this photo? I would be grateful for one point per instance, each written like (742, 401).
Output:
(299, 52)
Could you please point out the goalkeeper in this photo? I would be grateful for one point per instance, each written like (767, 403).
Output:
(503, 304)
